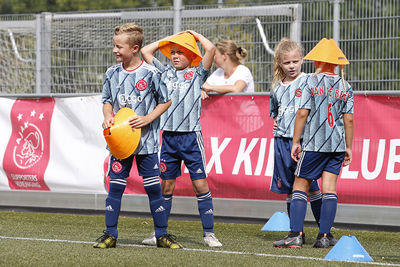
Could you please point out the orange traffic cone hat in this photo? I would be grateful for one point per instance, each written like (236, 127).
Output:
(121, 139)
(185, 40)
(327, 51)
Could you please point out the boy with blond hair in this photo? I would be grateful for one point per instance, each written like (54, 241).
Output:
(135, 84)
(182, 139)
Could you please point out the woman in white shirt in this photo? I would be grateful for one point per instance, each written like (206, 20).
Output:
(231, 76)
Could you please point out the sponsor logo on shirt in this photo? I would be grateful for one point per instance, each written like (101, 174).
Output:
(177, 85)
(288, 110)
(130, 99)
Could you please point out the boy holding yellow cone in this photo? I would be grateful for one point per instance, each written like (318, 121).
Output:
(133, 85)
(182, 139)
(326, 115)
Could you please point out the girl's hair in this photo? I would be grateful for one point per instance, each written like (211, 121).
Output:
(134, 33)
(235, 53)
(319, 69)
(284, 46)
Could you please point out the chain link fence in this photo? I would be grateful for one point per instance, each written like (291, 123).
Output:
(68, 53)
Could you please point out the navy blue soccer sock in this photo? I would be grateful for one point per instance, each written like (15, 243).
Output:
(156, 200)
(206, 211)
(288, 201)
(167, 204)
(328, 212)
(298, 209)
(113, 205)
(316, 202)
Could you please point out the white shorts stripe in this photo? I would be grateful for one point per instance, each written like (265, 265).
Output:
(200, 143)
(297, 171)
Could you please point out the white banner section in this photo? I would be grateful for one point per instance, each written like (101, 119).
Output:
(77, 147)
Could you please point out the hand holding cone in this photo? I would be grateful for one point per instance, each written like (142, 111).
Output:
(121, 139)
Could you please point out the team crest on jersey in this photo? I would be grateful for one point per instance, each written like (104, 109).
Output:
(297, 92)
(141, 85)
(116, 166)
(163, 167)
(188, 75)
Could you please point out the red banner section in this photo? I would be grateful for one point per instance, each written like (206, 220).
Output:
(238, 140)
(27, 153)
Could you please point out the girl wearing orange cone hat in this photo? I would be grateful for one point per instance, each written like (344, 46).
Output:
(326, 116)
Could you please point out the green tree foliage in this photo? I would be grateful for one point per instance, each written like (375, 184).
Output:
(36, 6)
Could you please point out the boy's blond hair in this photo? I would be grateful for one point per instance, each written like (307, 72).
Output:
(284, 46)
(134, 33)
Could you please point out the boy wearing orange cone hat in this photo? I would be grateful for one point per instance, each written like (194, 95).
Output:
(132, 90)
(181, 138)
(326, 115)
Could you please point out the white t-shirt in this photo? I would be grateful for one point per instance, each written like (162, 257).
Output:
(241, 73)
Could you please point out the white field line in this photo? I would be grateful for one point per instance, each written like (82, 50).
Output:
(194, 249)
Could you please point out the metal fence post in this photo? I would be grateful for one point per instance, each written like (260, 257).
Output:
(43, 56)
(177, 15)
(336, 18)
(295, 28)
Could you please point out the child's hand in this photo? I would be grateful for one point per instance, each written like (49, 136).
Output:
(295, 153)
(195, 34)
(204, 95)
(139, 121)
(275, 127)
(206, 88)
(347, 157)
(108, 122)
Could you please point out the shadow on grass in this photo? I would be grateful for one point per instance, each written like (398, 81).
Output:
(387, 259)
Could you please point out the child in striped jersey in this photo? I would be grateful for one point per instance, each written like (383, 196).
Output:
(326, 115)
(135, 84)
(285, 96)
(181, 138)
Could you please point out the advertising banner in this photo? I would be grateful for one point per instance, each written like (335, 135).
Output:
(63, 150)
(27, 153)
(238, 140)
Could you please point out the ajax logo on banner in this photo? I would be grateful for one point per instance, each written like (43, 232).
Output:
(29, 147)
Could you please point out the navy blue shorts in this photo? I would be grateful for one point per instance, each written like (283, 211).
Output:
(182, 146)
(284, 167)
(148, 166)
(312, 164)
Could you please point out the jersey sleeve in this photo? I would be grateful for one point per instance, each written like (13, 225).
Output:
(160, 88)
(156, 63)
(247, 77)
(349, 107)
(203, 73)
(106, 94)
(306, 94)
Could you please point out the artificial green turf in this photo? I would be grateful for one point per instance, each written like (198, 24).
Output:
(383, 247)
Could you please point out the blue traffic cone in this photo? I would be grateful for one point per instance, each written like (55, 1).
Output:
(278, 222)
(348, 249)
